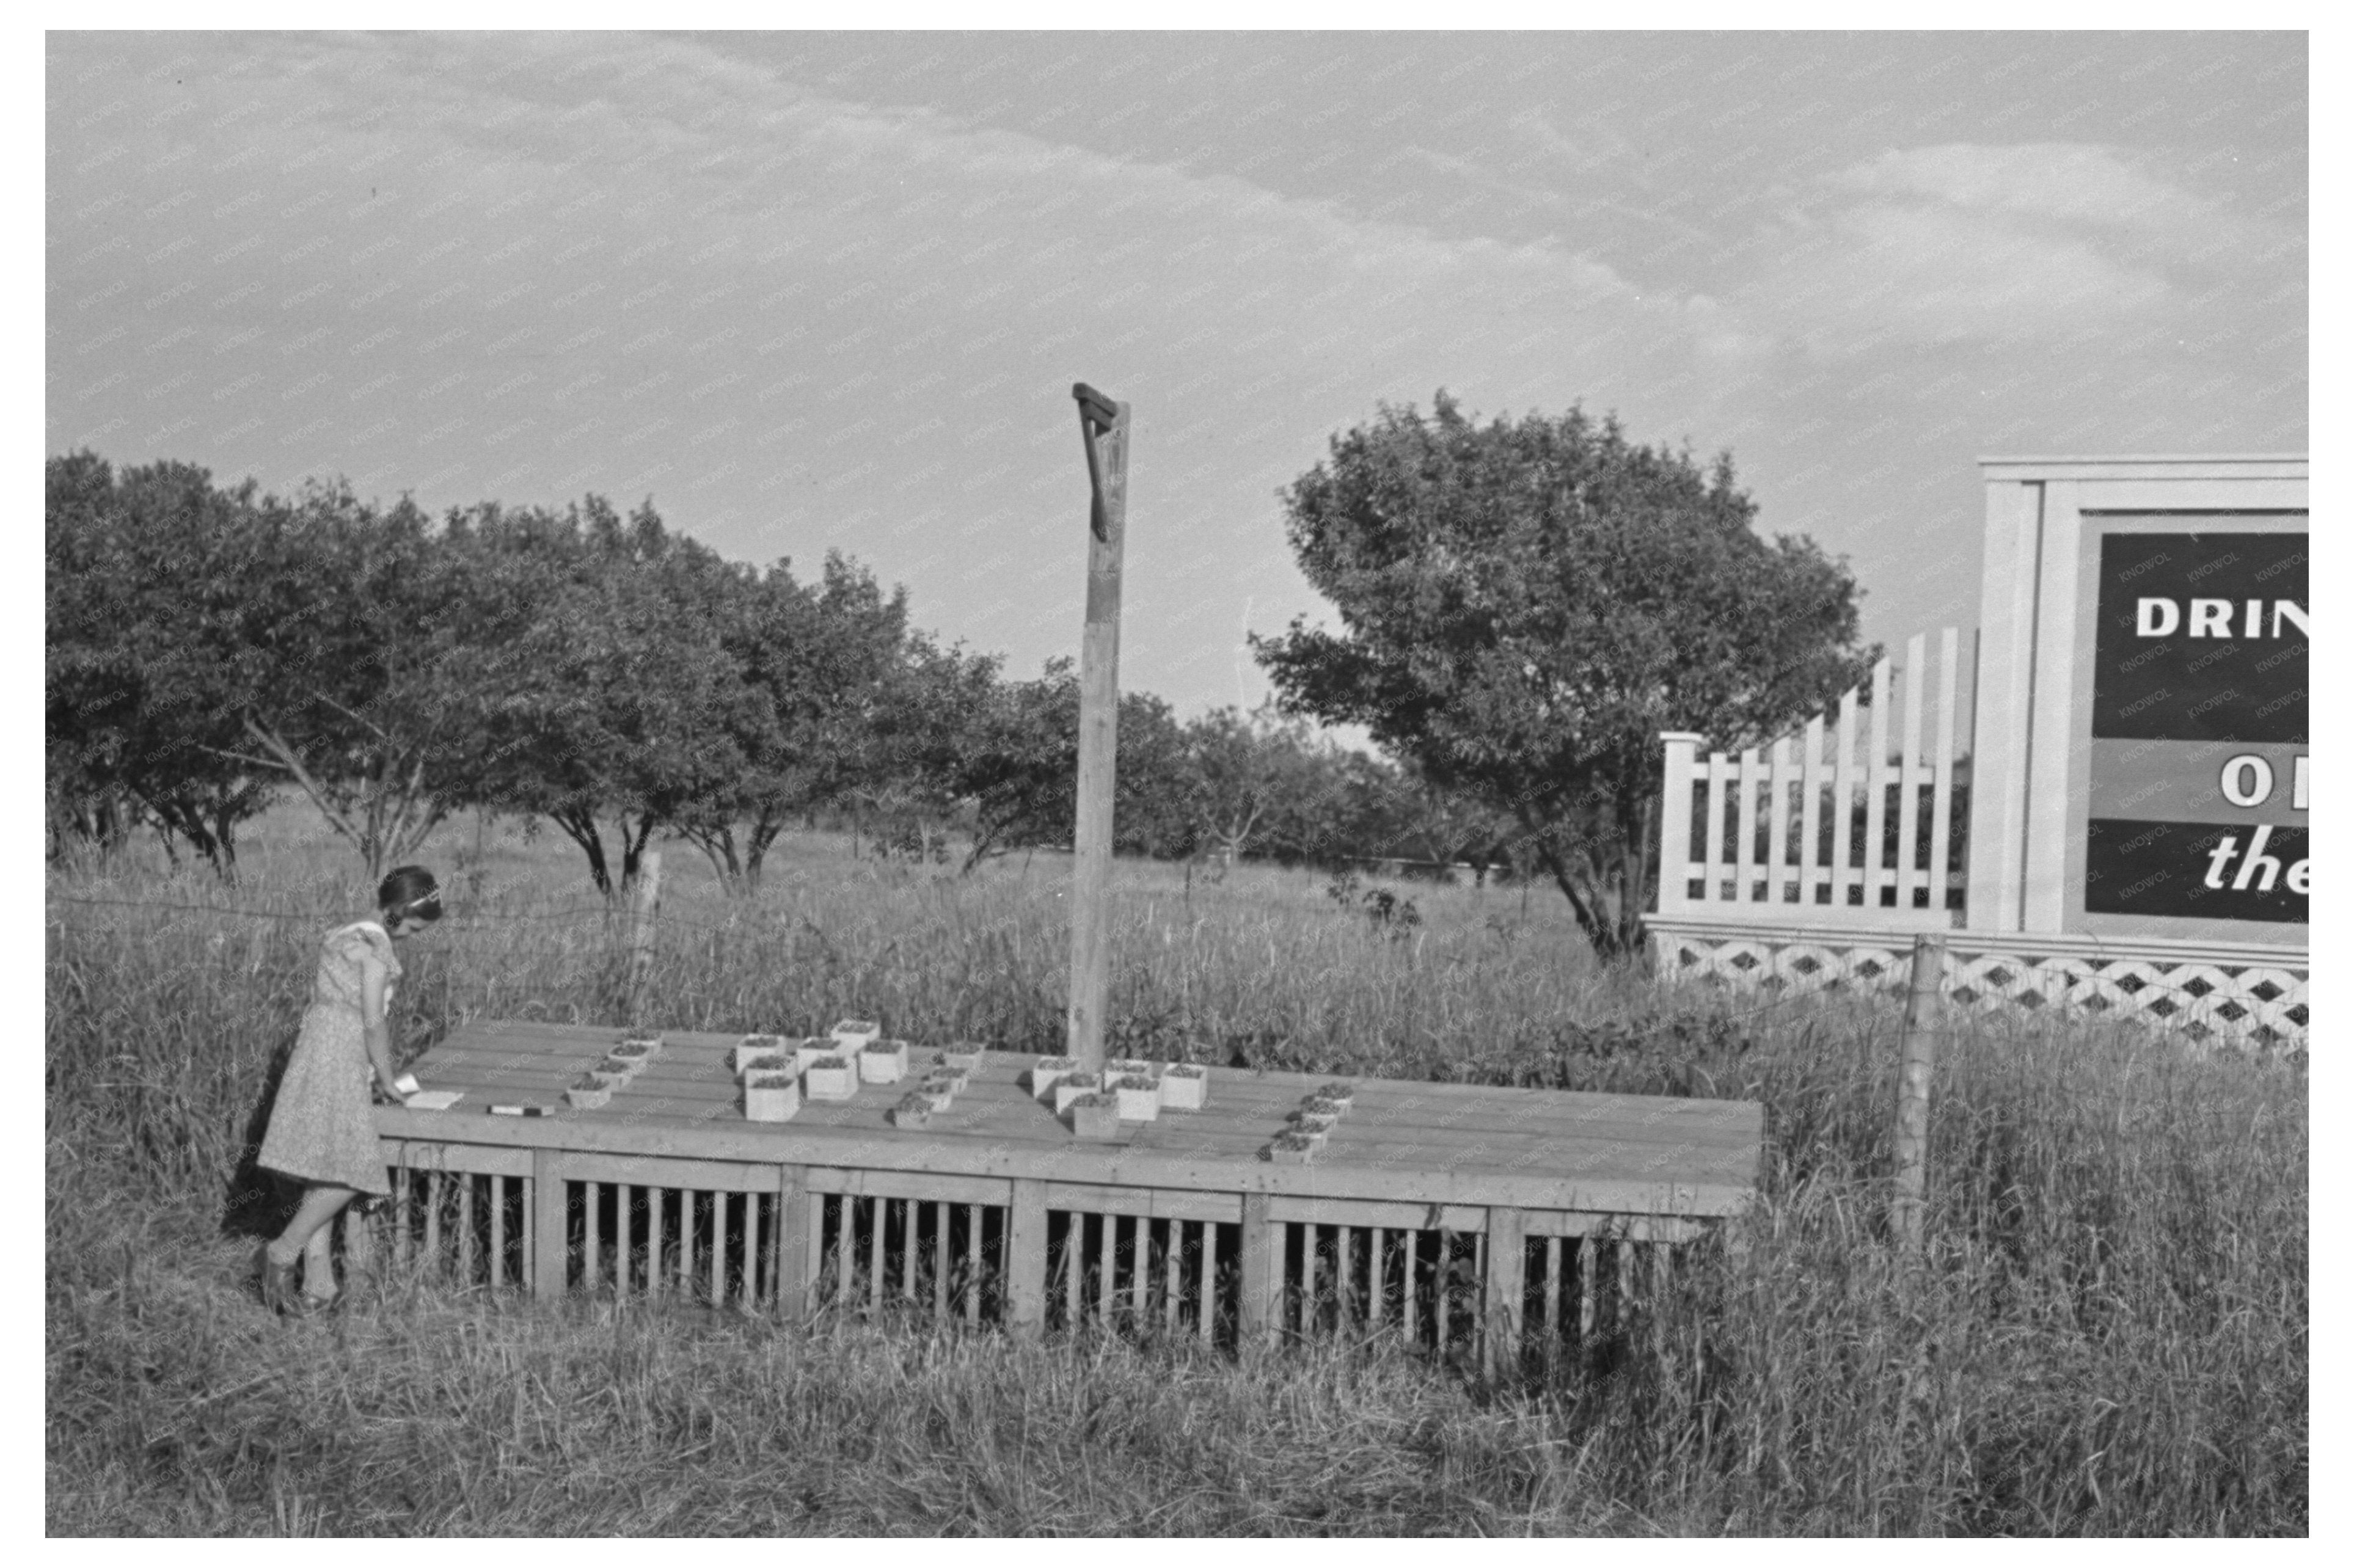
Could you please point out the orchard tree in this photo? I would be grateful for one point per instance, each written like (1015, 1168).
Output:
(1448, 826)
(1018, 765)
(91, 682)
(836, 705)
(854, 701)
(910, 750)
(765, 628)
(1241, 772)
(372, 636)
(601, 684)
(1525, 606)
(157, 591)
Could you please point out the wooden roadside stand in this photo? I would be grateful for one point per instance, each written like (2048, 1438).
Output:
(1506, 1225)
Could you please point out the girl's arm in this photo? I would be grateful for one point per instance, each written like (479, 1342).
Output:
(375, 1029)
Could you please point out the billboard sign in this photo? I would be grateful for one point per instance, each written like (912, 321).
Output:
(2139, 765)
(2198, 771)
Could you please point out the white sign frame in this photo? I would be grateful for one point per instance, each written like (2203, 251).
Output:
(2030, 789)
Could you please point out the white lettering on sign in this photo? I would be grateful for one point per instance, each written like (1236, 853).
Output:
(2247, 780)
(2296, 787)
(2254, 858)
(2255, 866)
(2212, 618)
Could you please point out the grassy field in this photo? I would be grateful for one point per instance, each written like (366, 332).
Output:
(2107, 1334)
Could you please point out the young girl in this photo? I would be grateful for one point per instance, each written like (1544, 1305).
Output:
(321, 1130)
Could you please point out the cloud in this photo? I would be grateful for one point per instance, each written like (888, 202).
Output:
(586, 176)
(1595, 145)
(2046, 179)
(746, 156)
(1966, 243)
(1467, 172)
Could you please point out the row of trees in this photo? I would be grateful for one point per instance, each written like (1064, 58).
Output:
(211, 647)
(1524, 606)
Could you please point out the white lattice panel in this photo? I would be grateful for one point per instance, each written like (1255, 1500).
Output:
(2242, 1004)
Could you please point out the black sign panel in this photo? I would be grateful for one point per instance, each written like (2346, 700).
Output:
(2236, 871)
(2201, 637)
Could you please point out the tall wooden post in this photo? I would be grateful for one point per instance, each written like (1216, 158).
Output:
(1912, 1138)
(1103, 427)
(645, 909)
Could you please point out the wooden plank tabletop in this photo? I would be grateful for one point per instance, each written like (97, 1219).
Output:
(1417, 1141)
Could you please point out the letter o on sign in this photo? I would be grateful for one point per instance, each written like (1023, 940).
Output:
(2247, 780)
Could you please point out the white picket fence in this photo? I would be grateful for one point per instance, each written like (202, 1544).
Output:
(1798, 885)
(1779, 825)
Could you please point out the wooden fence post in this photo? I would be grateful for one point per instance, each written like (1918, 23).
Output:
(1919, 1048)
(1262, 1269)
(1103, 424)
(549, 1241)
(1025, 1265)
(1500, 1327)
(793, 1270)
(645, 909)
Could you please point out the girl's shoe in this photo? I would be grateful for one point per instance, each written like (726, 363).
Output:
(278, 1292)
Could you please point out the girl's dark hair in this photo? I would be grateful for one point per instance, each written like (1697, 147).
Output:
(410, 893)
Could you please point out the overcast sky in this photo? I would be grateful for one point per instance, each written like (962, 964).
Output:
(815, 291)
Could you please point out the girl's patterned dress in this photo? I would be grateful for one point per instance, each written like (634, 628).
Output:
(321, 1129)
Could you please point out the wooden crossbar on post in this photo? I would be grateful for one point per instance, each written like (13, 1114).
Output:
(1103, 428)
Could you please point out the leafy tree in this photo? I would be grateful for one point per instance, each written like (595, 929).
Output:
(909, 751)
(687, 762)
(155, 591)
(1018, 764)
(1241, 771)
(840, 704)
(1449, 827)
(372, 634)
(1345, 805)
(854, 710)
(764, 630)
(90, 689)
(603, 689)
(1525, 606)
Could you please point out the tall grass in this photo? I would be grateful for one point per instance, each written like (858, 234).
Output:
(2107, 1333)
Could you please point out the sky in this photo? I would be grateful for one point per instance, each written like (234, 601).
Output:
(812, 292)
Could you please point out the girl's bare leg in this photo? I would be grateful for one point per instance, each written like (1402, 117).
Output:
(319, 1203)
(319, 1266)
